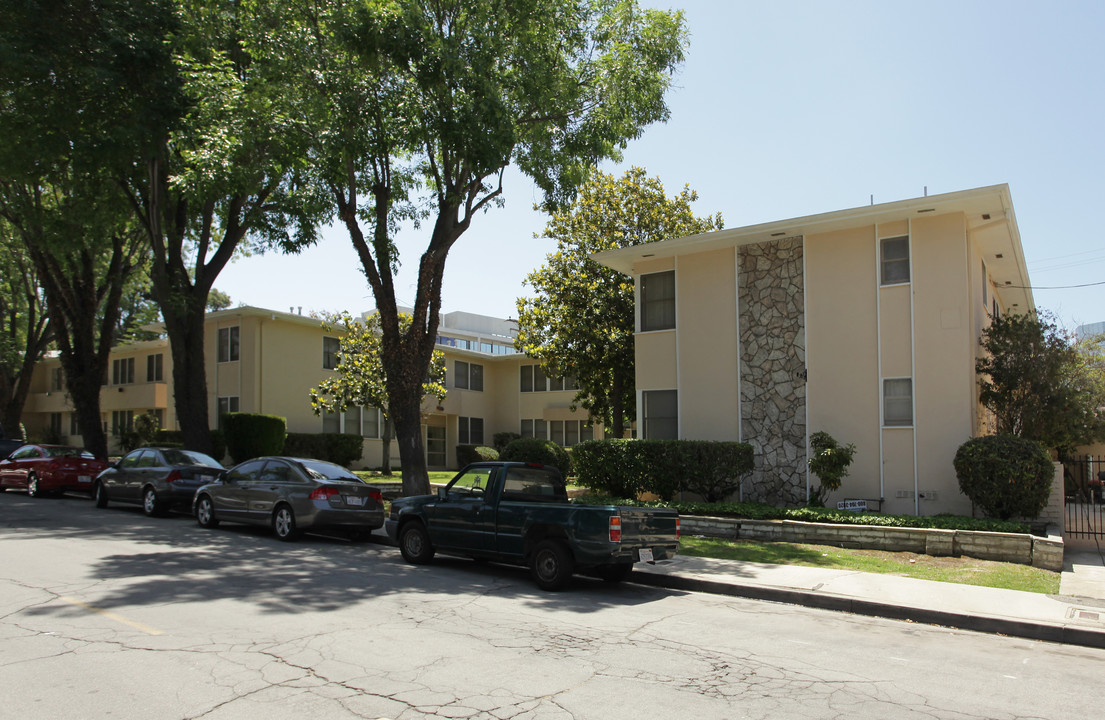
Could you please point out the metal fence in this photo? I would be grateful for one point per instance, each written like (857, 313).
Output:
(1083, 479)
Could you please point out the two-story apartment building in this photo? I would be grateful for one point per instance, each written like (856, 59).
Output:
(863, 323)
(266, 361)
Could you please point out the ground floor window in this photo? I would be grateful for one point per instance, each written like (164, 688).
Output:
(897, 402)
(435, 447)
(570, 432)
(661, 414)
(470, 431)
(227, 404)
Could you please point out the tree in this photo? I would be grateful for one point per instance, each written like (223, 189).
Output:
(415, 109)
(829, 461)
(217, 300)
(1040, 385)
(581, 323)
(25, 331)
(361, 378)
(221, 175)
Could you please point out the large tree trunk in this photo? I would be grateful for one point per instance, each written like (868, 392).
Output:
(385, 450)
(185, 328)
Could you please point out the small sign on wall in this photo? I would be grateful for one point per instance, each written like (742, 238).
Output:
(852, 505)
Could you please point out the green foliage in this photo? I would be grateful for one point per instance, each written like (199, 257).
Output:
(763, 511)
(1005, 475)
(581, 322)
(175, 438)
(1040, 385)
(536, 450)
(467, 454)
(142, 432)
(662, 467)
(501, 439)
(217, 300)
(829, 461)
(250, 435)
(340, 448)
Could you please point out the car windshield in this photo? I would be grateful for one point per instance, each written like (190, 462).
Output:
(188, 457)
(59, 451)
(319, 470)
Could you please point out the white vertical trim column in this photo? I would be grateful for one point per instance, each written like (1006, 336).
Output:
(678, 373)
(913, 371)
(878, 350)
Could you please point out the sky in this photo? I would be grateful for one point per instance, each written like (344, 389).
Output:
(788, 108)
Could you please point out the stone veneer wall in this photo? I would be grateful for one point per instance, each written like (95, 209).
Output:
(771, 292)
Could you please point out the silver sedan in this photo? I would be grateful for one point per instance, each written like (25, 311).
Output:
(291, 495)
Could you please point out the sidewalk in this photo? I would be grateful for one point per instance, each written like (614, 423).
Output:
(1076, 616)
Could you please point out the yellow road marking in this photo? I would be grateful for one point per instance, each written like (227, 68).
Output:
(108, 614)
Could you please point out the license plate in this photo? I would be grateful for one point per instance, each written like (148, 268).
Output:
(84, 478)
(646, 555)
(354, 500)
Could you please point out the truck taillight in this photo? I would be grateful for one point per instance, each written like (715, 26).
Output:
(678, 529)
(615, 529)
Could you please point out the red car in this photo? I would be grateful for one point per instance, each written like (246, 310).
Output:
(49, 469)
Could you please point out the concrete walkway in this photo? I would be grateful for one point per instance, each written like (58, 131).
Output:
(1075, 616)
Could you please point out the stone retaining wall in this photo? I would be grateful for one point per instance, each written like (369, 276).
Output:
(1039, 552)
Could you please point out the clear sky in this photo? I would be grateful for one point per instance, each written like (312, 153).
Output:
(789, 108)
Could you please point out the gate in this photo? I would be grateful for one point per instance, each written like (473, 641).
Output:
(1083, 480)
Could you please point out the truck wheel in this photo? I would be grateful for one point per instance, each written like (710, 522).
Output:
(551, 565)
(414, 543)
(614, 573)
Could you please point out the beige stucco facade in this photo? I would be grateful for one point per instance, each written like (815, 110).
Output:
(278, 357)
(787, 328)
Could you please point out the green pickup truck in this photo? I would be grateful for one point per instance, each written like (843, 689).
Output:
(519, 513)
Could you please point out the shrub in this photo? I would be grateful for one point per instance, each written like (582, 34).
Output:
(536, 450)
(829, 461)
(175, 438)
(710, 469)
(250, 435)
(610, 467)
(340, 448)
(1005, 475)
(467, 454)
(501, 439)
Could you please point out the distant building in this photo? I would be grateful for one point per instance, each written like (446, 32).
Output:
(862, 323)
(266, 361)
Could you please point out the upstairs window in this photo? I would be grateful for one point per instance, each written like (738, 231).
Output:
(467, 376)
(122, 371)
(155, 367)
(658, 301)
(229, 342)
(330, 347)
(894, 260)
(897, 402)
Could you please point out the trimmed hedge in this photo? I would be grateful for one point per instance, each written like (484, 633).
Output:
(467, 454)
(250, 435)
(501, 439)
(763, 511)
(536, 450)
(339, 448)
(626, 468)
(175, 438)
(1005, 475)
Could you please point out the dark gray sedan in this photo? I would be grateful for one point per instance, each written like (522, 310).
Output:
(158, 479)
(291, 495)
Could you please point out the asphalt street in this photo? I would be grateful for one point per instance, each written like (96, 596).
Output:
(109, 614)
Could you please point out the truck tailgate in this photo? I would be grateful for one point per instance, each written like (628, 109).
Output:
(643, 527)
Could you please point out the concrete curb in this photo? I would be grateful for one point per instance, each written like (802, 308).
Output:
(977, 623)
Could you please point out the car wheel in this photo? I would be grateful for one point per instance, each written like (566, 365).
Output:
(34, 487)
(614, 573)
(99, 495)
(283, 523)
(205, 513)
(414, 543)
(551, 564)
(150, 504)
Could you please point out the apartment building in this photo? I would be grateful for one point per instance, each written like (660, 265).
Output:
(863, 323)
(266, 361)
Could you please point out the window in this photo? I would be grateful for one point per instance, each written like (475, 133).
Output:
(470, 431)
(57, 380)
(55, 424)
(658, 301)
(435, 446)
(534, 379)
(121, 421)
(74, 424)
(570, 432)
(467, 376)
(229, 344)
(897, 402)
(155, 367)
(535, 428)
(895, 260)
(661, 414)
(227, 404)
(330, 347)
(370, 422)
(331, 422)
(122, 371)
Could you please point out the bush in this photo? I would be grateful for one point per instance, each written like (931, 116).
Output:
(467, 454)
(829, 461)
(250, 435)
(339, 448)
(536, 450)
(500, 440)
(175, 438)
(1005, 475)
(664, 468)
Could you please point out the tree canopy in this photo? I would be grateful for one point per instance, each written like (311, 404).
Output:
(581, 322)
(416, 107)
(1041, 385)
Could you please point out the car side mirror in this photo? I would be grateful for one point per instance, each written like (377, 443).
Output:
(442, 493)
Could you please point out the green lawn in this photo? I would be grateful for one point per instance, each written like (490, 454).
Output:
(437, 477)
(968, 571)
